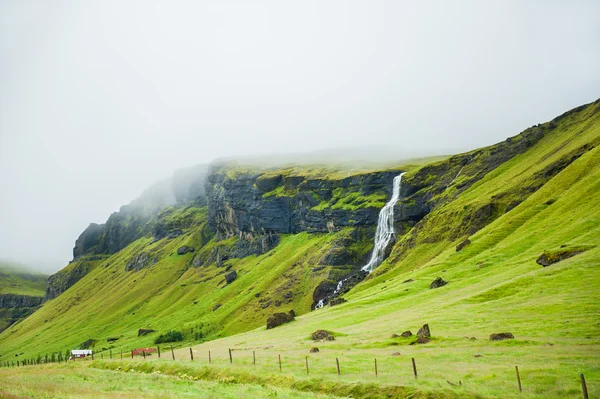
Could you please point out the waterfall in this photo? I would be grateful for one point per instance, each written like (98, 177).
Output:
(385, 232)
(384, 235)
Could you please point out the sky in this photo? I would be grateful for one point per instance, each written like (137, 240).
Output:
(99, 99)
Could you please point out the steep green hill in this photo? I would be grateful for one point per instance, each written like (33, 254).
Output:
(21, 292)
(479, 220)
(15, 279)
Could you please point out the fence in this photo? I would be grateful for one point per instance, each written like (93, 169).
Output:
(57, 357)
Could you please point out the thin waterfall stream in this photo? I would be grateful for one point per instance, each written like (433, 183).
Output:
(384, 235)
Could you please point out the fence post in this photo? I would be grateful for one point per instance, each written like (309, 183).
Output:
(209, 359)
(144, 354)
(306, 365)
(172, 353)
(376, 368)
(584, 387)
(132, 353)
(92, 356)
(279, 362)
(46, 358)
(158, 347)
(101, 355)
(191, 355)
(337, 363)
(254, 358)
(414, 367)
(230, 357)
(121, 355)
(110, 353)
(519, 379)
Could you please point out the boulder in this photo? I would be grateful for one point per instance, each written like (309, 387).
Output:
(407, 333)
(145, 331)
(217, 306)
(230, 277)
(395, 335)
(550, 257)
(277, 319)
(184, 250)
(112, 339)
(424, 331)
(336, 301)
(314, 350)
(421, 340)
(438, 282)
(462, 245)
(396, 354)
(501, 336)
(322, 335)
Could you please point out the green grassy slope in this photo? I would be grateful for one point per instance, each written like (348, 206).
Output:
(495, 285)
(545, 199)
(15, 280)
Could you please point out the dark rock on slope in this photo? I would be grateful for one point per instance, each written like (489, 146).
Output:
(278, 319)
(550, 257)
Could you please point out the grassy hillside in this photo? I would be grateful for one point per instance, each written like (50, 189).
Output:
(14, 279)
(544, 200)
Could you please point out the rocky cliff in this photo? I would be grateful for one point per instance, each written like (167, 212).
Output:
(19, 301)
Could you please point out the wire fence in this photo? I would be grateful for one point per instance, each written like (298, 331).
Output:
(146, 353)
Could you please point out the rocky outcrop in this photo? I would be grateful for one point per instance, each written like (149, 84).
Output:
(501, 336)
(550, 257)
(278, 319)
(230, 277)
(140, 261)
(66, 278)
(437, 283)
(424, 331)
(184, 250)
(19, 301)
(322, 335)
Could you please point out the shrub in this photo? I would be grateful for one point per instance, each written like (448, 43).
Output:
(171, 336)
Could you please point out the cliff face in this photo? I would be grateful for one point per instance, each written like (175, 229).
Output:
(249, 204)
(19, 301)
(138, 219)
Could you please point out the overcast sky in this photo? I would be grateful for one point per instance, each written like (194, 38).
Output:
(98, 99)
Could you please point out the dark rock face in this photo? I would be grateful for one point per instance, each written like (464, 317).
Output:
(238, 206)
(322, 335)
(278, 319)
(406, 334)
(145, 331)
(550, 257)
(184, 250)
(19, 301)
(438, 282)
(230, 277)
(463, 244)
(140, 261)
(501, 336)
(63, 280)
(424, 331)
(326, 291)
